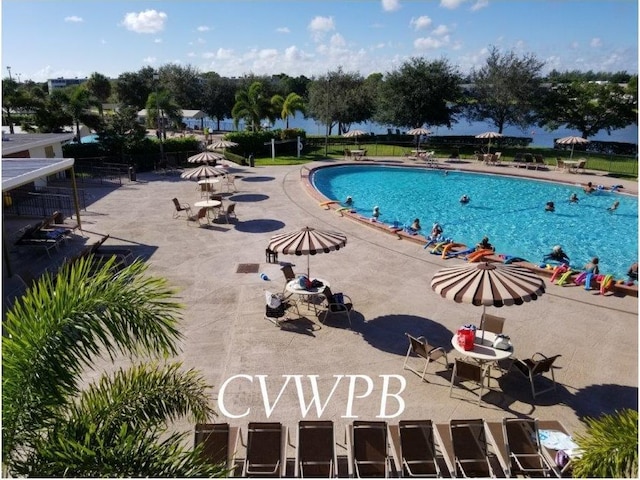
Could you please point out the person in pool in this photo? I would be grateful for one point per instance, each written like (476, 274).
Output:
(574, 198)
(589, 188)
(557, 254)
(632, 273)
(592, 266)
(614, 206)
(485, 245)
(550, 207)
(464, 199)
(348, 201)
(376, 213)
(415, 226)
(436, 231)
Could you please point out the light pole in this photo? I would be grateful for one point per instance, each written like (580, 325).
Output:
(326, 136)
(9, 69)
(11, 131)
(156, 78)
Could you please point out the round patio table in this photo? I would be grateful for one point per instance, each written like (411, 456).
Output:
(483, 350)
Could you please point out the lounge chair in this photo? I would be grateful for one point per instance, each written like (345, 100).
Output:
(496, 158)
(470, 372)
(181, 207)
(578, 166)
(219, 443)
(414, 449)
(538, 161)
(316, 451)
(524, 452)
(266, 450)
(367, 449)
(229, 212)
(518, 161)
(420, 347)
(337, 303)
(528, 160)
(536, 366)
(551, 453)
(470, 448)
(491, 323)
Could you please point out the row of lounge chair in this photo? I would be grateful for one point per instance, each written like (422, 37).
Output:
(48, 234)
(411, 448)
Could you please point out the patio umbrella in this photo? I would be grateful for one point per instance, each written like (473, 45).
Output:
(573, 141)
(419, 132)
(203, 171)
(354, 134)
(487, 283)
(205, 157)
(489, 135)
(307, 241)
(221, 144)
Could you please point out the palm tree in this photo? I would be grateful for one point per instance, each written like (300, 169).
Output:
(288, 106)
(80, 100)
(100, 87)
(252, 105)
(117, 426)
(160, 105)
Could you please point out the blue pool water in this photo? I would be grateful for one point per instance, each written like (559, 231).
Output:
(510, 211)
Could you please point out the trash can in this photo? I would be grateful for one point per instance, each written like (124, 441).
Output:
(252, 162)
(132, 174)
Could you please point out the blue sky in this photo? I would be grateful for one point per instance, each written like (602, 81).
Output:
(48, 39)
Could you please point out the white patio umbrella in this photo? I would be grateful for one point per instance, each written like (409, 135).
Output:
(307, 241)
(573, 141)
(419, 132)
(222, 144)
(205, 157)
(354, 134)
(203, 171)
(490, 136)
(488, 283)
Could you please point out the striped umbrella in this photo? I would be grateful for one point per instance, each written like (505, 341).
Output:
(203, 171)
(489, 135)
(573, 141)
(222, 144)
(487, 283)
(205, 157)
(418, 132)
(307, 241)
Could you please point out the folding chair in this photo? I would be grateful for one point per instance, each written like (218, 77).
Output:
(337, 303)
(367, 449)
(420, 347)
(536, 367)
(219, 441)
(523, 448)
(180, 207)
(491, 323)
(469, 371)
(470, 450)
(266, 450)
(315, 451)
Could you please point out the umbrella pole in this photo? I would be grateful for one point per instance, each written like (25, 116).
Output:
(484, 308)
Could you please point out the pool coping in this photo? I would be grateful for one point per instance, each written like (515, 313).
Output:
(330, 204)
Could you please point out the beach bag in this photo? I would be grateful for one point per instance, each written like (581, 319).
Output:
(466, 337)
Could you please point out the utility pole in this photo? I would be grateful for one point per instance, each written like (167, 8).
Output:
(9, 68)
(11, 131)
(156, 78)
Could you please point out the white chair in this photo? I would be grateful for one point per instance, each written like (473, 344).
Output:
(229, 182)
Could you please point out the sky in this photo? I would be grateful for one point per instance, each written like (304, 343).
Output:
(43, 39)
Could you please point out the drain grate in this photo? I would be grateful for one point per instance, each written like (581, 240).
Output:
(248, 268)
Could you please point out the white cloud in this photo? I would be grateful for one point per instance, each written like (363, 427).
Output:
(337, 41)
(201, 41)
(149, 21)
(451, 4)
(157, 40)
(224, 53)
(479, 5)
(267, 53)
(575, 44)
(441, 30)
(149, 60)
(390, 5)
(320, 25)
(420, 22)
(596, 42)
(203, 28)
(430, 43)
(283, 30)
(73, 19)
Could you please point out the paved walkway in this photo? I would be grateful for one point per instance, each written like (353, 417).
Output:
(225, 334)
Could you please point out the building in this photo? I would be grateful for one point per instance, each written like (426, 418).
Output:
(54, 83)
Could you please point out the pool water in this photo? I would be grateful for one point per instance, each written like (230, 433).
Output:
(510, 211)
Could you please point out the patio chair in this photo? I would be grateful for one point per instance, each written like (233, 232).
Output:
(579, 166)
(551, 453)
(347, 154)
(180, 207)
(534, 367)
(229, 182)
(367, 449)
(414, 448)
(228, 213)
(276, 308)
(538, 160)
(316, 451)
(560, 165)
(202, 214)
(337, 303)
(496, 158)
(491, 323)
(466, 371)
(420, 347)
(219, 443)
(266, 450)
(470, 449)
(523, 448)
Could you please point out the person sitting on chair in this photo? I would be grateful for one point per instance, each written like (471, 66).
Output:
(557, 254)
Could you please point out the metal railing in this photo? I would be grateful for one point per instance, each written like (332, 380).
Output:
(37, 204)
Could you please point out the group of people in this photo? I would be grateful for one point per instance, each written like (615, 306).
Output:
(573, 198)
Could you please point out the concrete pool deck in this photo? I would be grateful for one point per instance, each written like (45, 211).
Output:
(226, 335)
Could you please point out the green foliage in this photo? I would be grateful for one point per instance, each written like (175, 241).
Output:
(250, 142)
(117, 427)
(252, 105)
(610, 447)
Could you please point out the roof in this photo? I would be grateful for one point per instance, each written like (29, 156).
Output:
(13, 143)
(20, 171)
(185, 113)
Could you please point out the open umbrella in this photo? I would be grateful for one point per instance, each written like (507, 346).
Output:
(490, 136)
(419, 132)
(354, 134)
(203, 171)
(307, 241)
(573, 141)
(221, 144)
(487, 283)
(205, 157)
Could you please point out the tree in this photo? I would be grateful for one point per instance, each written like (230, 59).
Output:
(419, 93)
(159, 105)
(11, 99)
(609, 447)
(99, 87)
(183, 83)
(118, 426)
(218, 97)
(133, 88)
(288, 106)
(505, 90)
(78, 105)
(252, 105)
(122, 132)
(587, 107)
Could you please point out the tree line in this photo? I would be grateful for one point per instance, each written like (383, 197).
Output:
(508, 90)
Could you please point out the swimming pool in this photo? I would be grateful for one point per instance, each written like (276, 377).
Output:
(510, 211)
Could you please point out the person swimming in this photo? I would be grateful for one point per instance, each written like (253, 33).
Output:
(589, 188)
(550, 207)
(614, 206)
(464, 199)
(376, 213)
(574, 198)
(557, 254)
(348, 201)
(415, 226)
